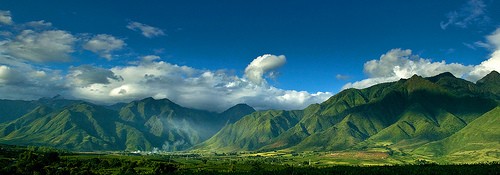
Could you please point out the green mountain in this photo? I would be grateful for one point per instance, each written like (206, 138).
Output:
(480, 137)
(405, 114)
(139, 125)
(253, 131)
(82, 126)
(491, 84)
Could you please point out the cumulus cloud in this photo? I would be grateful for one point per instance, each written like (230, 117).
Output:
(86, 75)
(104, 45)
(10, 76)
(146, 30)
(399, 63)
(50, 45)
(493, 63)
(26, 81)
(261, 65)
(474, 12)
(5, 17)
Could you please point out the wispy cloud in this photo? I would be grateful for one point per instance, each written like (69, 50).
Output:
(473, 12)
(146, 30)
(342, 77)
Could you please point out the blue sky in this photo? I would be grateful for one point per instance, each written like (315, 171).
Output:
(212, 54)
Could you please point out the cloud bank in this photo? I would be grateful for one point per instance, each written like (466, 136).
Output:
(214, 90)
(203, 89)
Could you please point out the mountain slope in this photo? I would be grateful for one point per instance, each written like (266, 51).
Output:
(403, 114)
(481, 134)
(78, 127)
(13, 109)
(139, 125)
(252, 131)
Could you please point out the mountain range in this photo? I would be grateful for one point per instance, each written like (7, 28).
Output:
(439, 115)
(138, 125)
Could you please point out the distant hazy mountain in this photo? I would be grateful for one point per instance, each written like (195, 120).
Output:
(434, 113)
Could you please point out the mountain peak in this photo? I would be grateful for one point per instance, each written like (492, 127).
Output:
(56, 97)
(151, 99)
(444, 74)
(236, 112)
(241, 106)
(415, 76)
(492, 77)
(441, 76)
(490, 82)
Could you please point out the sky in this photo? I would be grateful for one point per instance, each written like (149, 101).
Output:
(214, 54)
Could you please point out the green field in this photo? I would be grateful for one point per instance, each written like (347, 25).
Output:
(43, 160)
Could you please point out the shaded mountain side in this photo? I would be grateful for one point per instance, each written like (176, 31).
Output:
(13, 109)
(236, 112)
(173, 127)
(405, 114)
(490, 84)
(481, 134)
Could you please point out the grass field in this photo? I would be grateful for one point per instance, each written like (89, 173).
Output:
(41, 160)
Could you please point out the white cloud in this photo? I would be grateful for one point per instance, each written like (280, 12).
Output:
(262, 65)
(50, 45)
(10, 76)
(23, 81)
(493, 63)
(202, 89)
(146, 30)
(398, 63)
(474, 12)
(104, 45)
(5, 17)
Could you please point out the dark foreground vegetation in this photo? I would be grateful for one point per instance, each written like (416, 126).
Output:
(40, 160)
